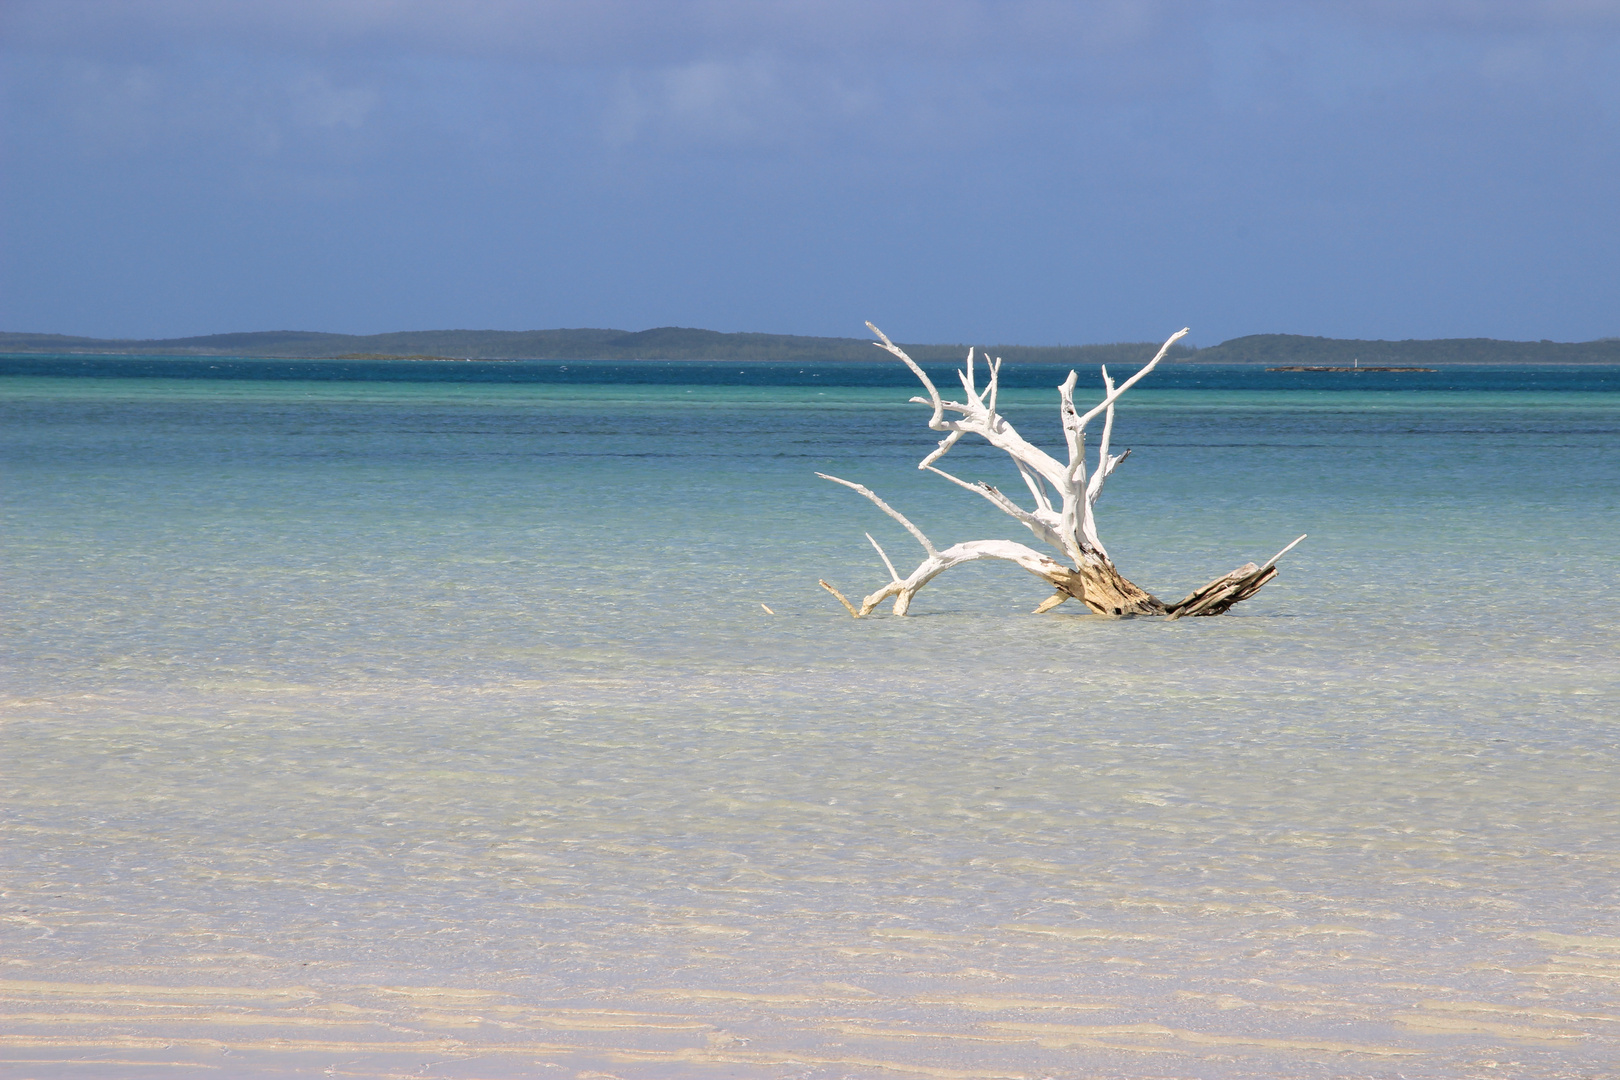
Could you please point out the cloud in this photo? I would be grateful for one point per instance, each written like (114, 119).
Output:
(770, 102)
(316, 102)
(729, 73)
(704, 73)
(805, 78)
(112, 108)
(612, 32)
(706, 101)
(1048, 136)
(661, 33)
(1492, 16)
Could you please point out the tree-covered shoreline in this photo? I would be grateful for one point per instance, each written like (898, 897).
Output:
(679, 343)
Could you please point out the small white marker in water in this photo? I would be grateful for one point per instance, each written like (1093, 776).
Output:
(767, 608)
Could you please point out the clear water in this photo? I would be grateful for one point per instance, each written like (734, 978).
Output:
(360, 723)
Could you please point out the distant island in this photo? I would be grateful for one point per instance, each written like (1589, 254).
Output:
(681, 343)
(1352, 354)
(1354, 368)
(393, 356)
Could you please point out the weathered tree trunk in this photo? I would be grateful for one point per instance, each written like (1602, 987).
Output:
(1103, 589)
(1062, 517)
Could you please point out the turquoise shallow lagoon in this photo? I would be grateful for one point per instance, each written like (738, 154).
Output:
(426, 721)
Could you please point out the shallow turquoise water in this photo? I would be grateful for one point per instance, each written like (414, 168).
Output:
(439, 726)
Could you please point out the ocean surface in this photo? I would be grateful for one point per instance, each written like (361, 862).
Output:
(418, 719)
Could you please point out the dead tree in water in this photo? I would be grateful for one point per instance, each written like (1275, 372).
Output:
(1064, 494)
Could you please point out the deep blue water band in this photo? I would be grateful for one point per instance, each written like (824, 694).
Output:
(709, 373)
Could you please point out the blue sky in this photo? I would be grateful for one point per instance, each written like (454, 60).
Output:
(1025, 171)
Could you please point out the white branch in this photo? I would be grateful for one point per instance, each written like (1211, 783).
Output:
(884, 555)
(1050, 602)
(1273, 560)
(1105, 465)
(1107, 470)
(977, 417)
(1114, 395)
(933, 394)
(842, 599)
(1066, 521)
(1042, 566)
(945, 445)
(928, 545)
(1108, 417)
(965, 376)
(1032, 480)
(1035, 523)
(1074, 432)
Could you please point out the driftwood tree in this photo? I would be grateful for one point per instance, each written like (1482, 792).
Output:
(1064, 494)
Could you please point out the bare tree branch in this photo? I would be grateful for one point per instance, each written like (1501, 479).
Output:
(1067, 523)
(894, 575)
(1034, 522)
(928, 545)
